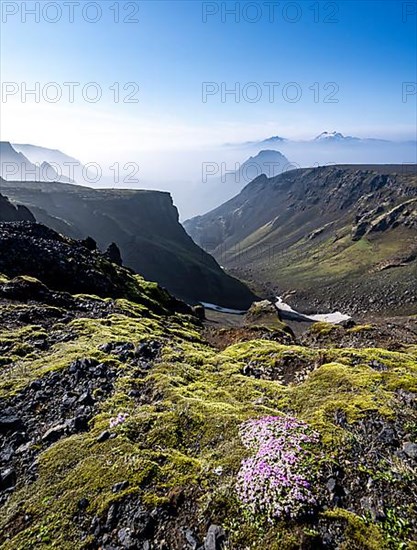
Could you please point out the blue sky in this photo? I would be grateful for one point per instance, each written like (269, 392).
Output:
(362, 51)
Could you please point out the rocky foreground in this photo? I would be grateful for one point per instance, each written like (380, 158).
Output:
(127, 423)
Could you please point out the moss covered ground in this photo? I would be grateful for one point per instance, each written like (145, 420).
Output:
(182, 437)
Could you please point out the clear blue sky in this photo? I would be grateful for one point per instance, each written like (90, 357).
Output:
(367, 48)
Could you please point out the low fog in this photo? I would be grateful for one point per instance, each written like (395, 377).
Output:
(190, 175)
(197, 178)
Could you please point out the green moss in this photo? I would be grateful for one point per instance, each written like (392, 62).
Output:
(359, 535)
(321, 328)
(360, 328)
(186, 430)
(70, 470)
(29, 279)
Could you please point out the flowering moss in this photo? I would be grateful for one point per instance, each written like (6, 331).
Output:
(276, 480)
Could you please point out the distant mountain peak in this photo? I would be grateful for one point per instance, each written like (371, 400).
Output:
(34, 147)
(52, 164)
(326, 137)
(6, 148)
(268, 153)
(337, 136)
(267, 161)
(274, 139)
(5, 145)
(16, 165)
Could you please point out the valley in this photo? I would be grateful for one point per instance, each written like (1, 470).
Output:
(144, 225)
(208, 275)
(153, 396)
(328, 238)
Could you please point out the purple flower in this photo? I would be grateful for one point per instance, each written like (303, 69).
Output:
(120, 419)
(275, 480)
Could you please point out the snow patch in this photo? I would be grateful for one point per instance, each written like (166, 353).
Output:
(215, 307)
(334, 318)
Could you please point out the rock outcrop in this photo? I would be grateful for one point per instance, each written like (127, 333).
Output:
(37, 259)
(144, 225)
(11, 213)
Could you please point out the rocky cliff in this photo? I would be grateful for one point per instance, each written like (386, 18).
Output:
(145, 226)
(12, 213)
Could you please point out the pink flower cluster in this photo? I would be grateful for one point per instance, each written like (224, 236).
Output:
(276, 481)
(120, 419)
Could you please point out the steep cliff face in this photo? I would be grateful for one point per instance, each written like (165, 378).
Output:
(144, 224)
(327, 233)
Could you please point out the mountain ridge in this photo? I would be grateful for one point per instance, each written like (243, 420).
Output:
(225, 183)
(314, 229)
(16, 165)
(333, 136)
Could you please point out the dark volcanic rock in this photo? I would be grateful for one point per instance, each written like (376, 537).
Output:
(9, 422)
(11, 213)
(56, 406)
(113, 254)
(215, 539)
(127, 524)
(63, 264)
(60, 263)
(89, 243)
